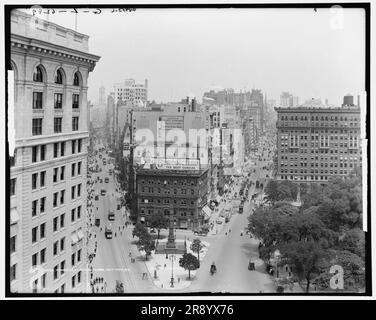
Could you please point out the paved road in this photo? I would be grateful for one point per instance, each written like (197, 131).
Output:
(112, 261)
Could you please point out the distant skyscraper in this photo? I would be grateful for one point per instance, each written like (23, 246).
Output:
(102, 95)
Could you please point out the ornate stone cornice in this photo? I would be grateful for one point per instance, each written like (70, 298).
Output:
(55, 51)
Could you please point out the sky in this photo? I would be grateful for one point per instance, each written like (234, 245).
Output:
(189, 51)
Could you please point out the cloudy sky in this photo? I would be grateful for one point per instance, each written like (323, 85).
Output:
(188, 51)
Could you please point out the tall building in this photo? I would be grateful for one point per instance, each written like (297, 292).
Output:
(171, 172)
(102, 96)
(51, 65)
(130, 91)
(315, 143)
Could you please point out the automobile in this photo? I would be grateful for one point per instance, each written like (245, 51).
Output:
(251, 265)
(100, 180)
(111, 216)
(96, 197)
(227, 219)
(108, 232)
(241, 208)
(106, 180)
(97, 222)
(118, 207)
(241, 233)
(218, 221)
(103, 192)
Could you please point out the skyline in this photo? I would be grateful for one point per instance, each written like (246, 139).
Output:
(255, 48)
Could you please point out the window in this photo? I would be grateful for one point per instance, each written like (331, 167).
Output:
(37, 100)
(62, 267)
(62, 195)
(56, 243)
(62, 289)
(79, 255)
(37, 127)
(44, 281)
(73, 213)
(13, 272)
(43, 179)
(56, 150)
(75, 124)
(79, 142)
(62, 220)
(79, 168)
(73, 146)
(56, 172)
(73, 281)
(34, 154)
(62, 149)
(34, 259)
(58, 100)
(34, 235)
(38, 74)
(62, 172)
(42, 230)
(34, 205)
(59, 77)
(75, 101)
(79, 190)
(73, 169)
(76, 80)
(42, 152)
(55, 221)
(62, 244)
(79, 212)
(43, 256)
(56, 272)
(34, 180)
(73, 191)
(57, 125)
(73, 259)
(13, 244)
(13, 187)
(79, 276)
(55, 199)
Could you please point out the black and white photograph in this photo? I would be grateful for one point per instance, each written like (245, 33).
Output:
(187, 149)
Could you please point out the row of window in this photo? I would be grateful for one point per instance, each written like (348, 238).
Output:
(322, 151)
(37, 125)
(317, 118)
(335, 172)
(38, 153)
(167, 212)
(166, 191)
(58, 100)
(59, 76)
(167, 201)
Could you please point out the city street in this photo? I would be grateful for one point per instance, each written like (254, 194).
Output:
(112, 261)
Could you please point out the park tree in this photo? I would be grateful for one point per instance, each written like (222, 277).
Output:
(189, 262)
(139, 229)
(119, 287)
(146, 243)
(305, 257)
(158, 221)
(196, 247)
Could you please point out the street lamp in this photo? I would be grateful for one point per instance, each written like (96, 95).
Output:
(172, 257)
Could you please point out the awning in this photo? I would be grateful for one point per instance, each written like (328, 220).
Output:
(74, 238)
(14, 217)
(80, 234)
(207, 212)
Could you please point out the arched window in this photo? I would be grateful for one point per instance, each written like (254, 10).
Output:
(76, 79)
(59, 77)
(38, 74)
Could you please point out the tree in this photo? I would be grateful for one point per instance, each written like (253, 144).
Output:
(189, 262)
(139, 230)
(146, 243)
(158, 221)
(196, 247)
(306, 259)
